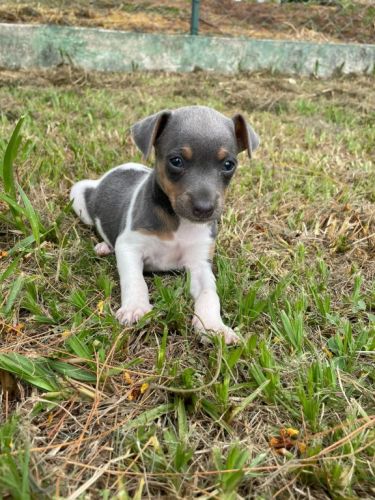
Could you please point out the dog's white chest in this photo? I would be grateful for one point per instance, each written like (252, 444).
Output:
(190, 243)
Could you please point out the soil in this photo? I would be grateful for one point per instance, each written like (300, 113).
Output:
(350, 22)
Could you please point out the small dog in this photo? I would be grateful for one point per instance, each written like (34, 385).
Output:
(166, 218)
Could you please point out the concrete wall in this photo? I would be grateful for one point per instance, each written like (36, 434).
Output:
(31, 46)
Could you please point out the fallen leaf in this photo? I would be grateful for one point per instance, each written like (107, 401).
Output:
(100, 307)
(130, 396)
(274, 442)
(327, 352)
(301, 447)
(289, 432)
(134, 393)
(128, 379)
(66, 333)
(18, 327)
(154, 442)
(144, 387)
(287, 441)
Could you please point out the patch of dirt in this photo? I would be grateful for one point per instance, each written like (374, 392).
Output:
(297, 21)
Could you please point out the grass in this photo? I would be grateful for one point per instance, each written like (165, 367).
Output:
(93, 409)
(312, 20)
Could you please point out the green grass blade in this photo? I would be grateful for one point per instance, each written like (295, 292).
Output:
(31, 216)
(17, 213)
(35, 372)
(73, 372)
(182, 420)
(149, 416)
(245, 403)
(211, 410)
(10, 269)
(25, 488)
(22, 245)
(79, 348)
(9, 156)
(14, 292)
(12, 204)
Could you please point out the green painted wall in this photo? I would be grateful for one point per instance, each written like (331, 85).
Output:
(28, 46)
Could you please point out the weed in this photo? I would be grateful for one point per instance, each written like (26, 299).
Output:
(236, 459)
(14, 472)
(291, 326)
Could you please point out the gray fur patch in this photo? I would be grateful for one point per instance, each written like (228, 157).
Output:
(110, 200)
(88, 194)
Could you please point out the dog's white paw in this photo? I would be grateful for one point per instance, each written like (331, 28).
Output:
(230, 337)
(102, 249)
(128, 315)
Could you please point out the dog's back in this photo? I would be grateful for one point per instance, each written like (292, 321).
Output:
(105, 202)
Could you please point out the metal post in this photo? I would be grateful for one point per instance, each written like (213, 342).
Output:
(194, 17)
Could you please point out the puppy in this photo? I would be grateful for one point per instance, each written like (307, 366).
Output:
(166, 218)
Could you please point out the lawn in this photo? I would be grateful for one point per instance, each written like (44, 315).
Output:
(94, 410)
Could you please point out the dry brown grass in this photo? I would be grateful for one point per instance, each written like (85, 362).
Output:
(291, 21)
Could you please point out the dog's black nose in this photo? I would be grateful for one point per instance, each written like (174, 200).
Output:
(203, 209)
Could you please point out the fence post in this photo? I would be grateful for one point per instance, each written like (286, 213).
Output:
(194, 17)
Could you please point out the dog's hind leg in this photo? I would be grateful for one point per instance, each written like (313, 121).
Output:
(80, 194)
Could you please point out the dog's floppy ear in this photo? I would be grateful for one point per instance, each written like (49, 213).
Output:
(245, 135)
(146, 131)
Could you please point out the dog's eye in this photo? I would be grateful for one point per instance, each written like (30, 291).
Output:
(228, 166)
(176, 162)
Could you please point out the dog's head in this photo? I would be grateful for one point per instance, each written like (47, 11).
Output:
(196, 152)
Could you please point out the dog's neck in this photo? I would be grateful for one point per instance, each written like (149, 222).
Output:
(159, 197)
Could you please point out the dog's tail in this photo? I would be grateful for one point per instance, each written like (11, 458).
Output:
(82, 195)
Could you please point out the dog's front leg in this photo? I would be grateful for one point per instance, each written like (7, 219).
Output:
(207, 303)
(135, 301)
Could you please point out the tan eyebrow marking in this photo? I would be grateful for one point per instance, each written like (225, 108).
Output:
(187, 152)
(222, 153)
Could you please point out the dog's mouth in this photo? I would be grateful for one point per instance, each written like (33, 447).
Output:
(202, 219)
(188, 213)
